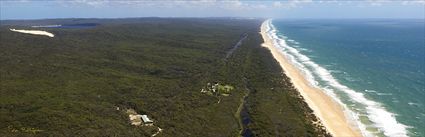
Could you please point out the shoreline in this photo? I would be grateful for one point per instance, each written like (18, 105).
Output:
(330, 113)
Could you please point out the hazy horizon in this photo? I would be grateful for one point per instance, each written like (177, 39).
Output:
(317, 9)
(219, 17)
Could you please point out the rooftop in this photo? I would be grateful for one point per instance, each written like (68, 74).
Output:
(146, 119)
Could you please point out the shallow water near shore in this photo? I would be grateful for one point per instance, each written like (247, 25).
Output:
(374, 67)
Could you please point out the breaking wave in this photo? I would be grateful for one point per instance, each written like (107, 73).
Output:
(358, 106)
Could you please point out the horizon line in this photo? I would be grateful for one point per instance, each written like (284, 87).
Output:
(163, 17)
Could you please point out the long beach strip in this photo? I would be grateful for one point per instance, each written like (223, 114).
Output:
(329, 112)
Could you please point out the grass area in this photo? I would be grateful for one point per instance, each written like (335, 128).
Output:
(70, 85)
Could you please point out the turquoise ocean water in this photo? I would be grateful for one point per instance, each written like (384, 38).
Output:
(374, 67)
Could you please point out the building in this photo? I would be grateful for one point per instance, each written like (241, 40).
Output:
(146, 120)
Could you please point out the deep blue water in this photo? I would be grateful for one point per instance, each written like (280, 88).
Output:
(383, 59)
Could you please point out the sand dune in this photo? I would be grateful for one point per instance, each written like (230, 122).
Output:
(34, 32)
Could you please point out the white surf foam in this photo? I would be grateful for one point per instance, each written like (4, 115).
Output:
(382, 119)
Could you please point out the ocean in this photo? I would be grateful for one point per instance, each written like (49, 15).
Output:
(375, 68)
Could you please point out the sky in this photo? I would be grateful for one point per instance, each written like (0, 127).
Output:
(42, 9)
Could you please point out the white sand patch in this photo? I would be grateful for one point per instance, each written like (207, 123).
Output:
(35, 32)
(159, 131)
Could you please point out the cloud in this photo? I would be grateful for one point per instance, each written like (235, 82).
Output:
(377, 2)
(278, 4)
(227, 4)
(223, 4)
(403, 2)
(291, 3)
(91, 2)
(216, 4)
(413, 2)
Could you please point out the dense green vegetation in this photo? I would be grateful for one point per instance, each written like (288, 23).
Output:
(70, 85)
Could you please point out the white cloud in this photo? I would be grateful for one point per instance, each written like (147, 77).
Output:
(234, 4)
(220, 4)
(404, 2)
(90, 2)
(377, 2)
(224, 4)
(277, 4)
(292, 3)
(413, 2)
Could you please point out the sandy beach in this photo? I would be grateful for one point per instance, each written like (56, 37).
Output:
(329, 112)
